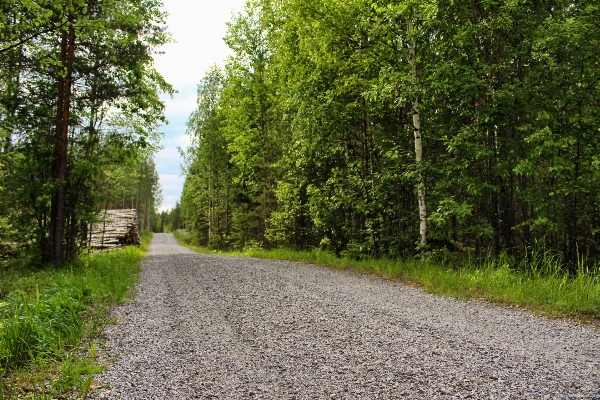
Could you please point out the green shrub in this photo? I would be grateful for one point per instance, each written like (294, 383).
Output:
(47, 315)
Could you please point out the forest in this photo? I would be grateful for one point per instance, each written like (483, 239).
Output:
(392, 129)
(79, 119)
(454, 145)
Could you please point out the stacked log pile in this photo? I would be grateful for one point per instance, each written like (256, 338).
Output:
(114, 229)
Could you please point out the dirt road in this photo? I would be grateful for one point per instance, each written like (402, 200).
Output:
(207, 326)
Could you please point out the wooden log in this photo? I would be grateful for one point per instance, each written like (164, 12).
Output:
(115, 228)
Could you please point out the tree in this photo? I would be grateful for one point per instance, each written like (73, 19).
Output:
(206, 199)
(250, 121)
(91, 62)
(337, 115)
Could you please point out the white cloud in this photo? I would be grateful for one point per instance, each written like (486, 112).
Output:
(198, 26)
(167, 157)
(172, 142)
(168, 161)
(168, 203)
(171, 186)
(180, 106)
(171, 181)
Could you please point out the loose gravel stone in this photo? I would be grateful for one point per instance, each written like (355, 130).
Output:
(208, 326)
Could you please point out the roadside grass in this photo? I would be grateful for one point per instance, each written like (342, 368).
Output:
(538, 282)
(51, 320)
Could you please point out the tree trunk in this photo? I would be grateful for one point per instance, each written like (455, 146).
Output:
(418, 146)
(146, 214)
(209, 208)
(227, 203)
(59, 172)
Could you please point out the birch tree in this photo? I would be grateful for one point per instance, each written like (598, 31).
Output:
(416, 117)
(458, 127)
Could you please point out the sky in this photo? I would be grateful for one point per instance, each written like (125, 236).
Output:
(198, 27)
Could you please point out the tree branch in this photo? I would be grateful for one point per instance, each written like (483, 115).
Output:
(51, 29)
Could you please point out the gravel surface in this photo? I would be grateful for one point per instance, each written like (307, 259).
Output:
(208, 326)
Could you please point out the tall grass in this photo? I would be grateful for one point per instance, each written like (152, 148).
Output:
(538, 281)
(50, 317)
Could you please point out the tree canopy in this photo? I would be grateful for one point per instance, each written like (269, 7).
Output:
(389, 128)
(79, 101)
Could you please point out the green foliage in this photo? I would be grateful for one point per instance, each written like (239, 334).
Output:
(313, 116)
(169, 221)
(113, 112)
(207, 192)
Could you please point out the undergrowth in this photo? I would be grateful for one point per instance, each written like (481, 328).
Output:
(537, 281)
(51, 320)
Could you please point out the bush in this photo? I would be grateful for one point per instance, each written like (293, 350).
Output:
(48, 315)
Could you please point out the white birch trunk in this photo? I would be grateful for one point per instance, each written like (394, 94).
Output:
(418, 146)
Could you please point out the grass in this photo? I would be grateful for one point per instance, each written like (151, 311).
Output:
(51, 320)
(538, 282)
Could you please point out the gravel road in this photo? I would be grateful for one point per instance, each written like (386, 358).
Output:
(208, 326)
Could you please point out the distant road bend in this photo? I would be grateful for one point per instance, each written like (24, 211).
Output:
(207, 326)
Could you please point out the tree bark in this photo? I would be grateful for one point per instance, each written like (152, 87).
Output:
(418, 146)
(59, 172)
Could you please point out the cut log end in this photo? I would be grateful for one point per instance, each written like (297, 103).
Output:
(114, 229)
